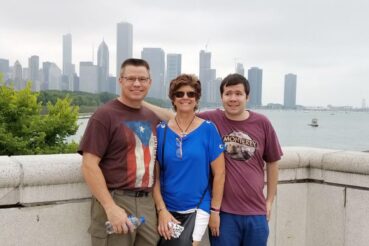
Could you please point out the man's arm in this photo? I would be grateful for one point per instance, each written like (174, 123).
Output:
(96, 182)
(218, 170)
(163, 113)
(272, 181)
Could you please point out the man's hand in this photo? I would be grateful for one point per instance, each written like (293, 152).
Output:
(118, 219)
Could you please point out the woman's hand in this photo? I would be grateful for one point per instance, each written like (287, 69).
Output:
(163, 226)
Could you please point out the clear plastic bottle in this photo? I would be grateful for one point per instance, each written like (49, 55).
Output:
(133, 219)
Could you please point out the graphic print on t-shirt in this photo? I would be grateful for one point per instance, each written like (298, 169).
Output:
(239, 146)
(141, 156)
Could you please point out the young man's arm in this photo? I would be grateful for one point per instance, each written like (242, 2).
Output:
(163, 113)
(96, 182)
(272, 181)
(218, 170)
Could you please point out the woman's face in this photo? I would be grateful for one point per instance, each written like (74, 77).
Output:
(185, 99)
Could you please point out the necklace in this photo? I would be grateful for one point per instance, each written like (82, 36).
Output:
(184, 133)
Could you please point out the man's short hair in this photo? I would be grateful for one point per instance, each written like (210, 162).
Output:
(235, 79)
(134, 62)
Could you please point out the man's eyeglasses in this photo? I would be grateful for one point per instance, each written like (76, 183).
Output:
(179, 148)
(180, 94)
(141, 80)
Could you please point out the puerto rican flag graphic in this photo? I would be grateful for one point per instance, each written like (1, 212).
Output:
(141, 154)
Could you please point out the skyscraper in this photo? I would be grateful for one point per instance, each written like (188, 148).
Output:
(290, 82)
(88, 77)
(255, 78)
(4, 69)
(18, 76)
(174, 68)
(68, 67)
(124, 45)
(45, 75)
(156, 59)
(212, 91)
(67, 54)
(54, 77)
(240, 69)
(205, 74)
(33, 66)
(103, 64)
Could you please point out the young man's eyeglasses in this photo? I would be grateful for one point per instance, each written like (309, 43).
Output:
(180, 94)
(141, 80)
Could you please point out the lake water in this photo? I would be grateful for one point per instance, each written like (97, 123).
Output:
(337, 130)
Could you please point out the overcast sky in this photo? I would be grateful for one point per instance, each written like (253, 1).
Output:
(324, 42)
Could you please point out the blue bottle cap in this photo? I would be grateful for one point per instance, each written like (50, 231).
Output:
(142, 219)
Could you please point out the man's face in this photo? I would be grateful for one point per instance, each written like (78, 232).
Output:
(234, 99)
(135, 83)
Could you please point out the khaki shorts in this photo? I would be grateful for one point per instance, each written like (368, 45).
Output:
(145, 235)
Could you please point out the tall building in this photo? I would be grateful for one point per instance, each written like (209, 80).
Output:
(17, 76)
(212, 91)
(4, 69)
(54, 79)
(112, 81)
(68, 67)
(206, 75)
(45, 75)
(124, 45)
(67, 54)
(255, 78)
(156, 59)
(34, 66)
(290, 82)
(103, 64)
(240, 69)
(174, 68)
(88, 77)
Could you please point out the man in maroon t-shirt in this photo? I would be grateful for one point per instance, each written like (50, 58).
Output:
(119, 148)
(250, 142)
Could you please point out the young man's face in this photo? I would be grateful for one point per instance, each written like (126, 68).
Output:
(135, 83)
(234, 99)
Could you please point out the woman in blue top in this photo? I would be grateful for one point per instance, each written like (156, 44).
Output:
(193, 156)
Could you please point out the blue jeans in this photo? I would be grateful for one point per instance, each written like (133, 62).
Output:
(241, 230)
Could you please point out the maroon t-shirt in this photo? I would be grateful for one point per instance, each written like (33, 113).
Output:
(125, 140)
(248, 145)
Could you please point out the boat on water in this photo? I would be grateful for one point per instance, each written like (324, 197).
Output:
(314, 122)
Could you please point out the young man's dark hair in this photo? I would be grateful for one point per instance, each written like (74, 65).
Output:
(235, 79)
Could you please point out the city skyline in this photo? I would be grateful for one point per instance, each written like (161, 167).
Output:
(310, 39)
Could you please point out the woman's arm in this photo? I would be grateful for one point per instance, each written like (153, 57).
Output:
(164, 215)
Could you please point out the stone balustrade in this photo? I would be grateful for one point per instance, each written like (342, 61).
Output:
(323, 199)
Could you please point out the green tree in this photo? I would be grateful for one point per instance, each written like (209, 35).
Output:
(24, 130)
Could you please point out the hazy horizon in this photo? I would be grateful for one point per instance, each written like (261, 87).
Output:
(324, 43)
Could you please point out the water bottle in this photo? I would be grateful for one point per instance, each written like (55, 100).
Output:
(133, 219)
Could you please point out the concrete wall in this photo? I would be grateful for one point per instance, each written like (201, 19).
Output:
(322, 199)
